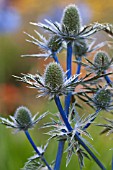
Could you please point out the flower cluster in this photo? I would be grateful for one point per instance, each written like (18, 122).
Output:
(68, 126)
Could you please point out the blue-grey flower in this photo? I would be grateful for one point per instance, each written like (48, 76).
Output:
(84, 32)
(102, 99)
(50, 47)
(52, 83)
(22, 119)
(101, 62)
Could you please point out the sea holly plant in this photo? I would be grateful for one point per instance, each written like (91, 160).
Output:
(94, 89)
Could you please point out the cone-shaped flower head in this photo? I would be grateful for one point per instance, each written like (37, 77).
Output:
(80, 48)
(101, 60)
(53, 75)
(71, 20)
(23, 117)
(102, 99)
(54, 43)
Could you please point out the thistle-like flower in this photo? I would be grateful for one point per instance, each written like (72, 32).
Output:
(101, 63)
(54, 44)
(22, 119)
(101, 60)
(50, 47)
(102, 99)
(80, 48)
(70, 27)
(53, 83)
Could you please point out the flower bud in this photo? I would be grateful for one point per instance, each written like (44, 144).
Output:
(70, 22)
(80, 47)
(102, 98)
(53, 75)
(101, 60)
(23, 117)
(54, 43)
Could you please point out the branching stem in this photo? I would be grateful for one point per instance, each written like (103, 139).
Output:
(77, 137)
(78, 66)
(108, 80)
(55, 58)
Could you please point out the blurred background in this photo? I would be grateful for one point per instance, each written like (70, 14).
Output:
(15, 16)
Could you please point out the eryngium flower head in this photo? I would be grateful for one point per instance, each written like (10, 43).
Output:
(49, 47)
(80, 47)
(101, 60)
(53, 83)
(101, 63)
(54, 43)
(22, 119)
(102, 99)
(70, 22)
(53, 75)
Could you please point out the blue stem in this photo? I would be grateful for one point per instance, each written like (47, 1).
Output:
(77, 137)
(67, 104)
(55, 58)
(69, 59)
(59, 155)
(69, 72)
(109, 82)
(63, 114)
(35, 148)
(78, 66)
